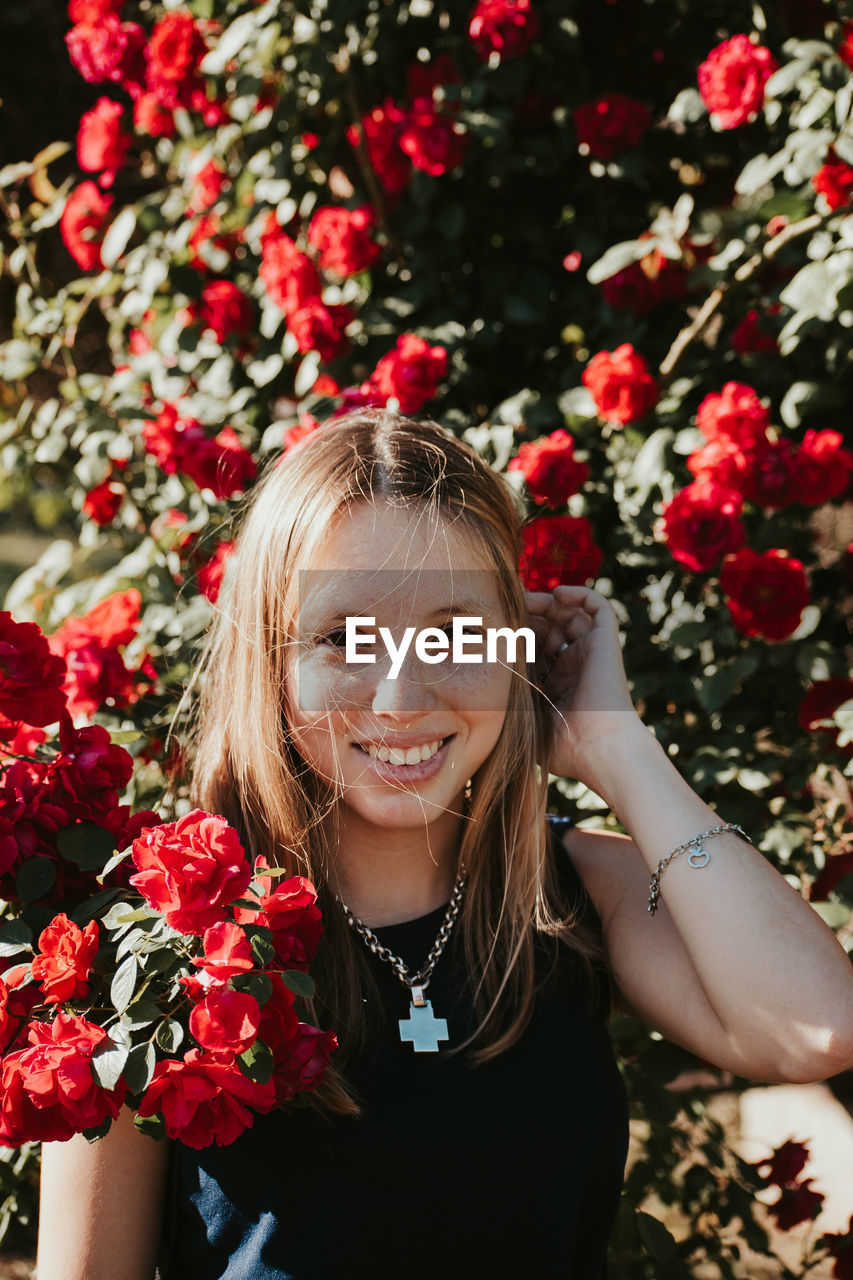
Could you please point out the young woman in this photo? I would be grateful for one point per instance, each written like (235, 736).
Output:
(473, 1121)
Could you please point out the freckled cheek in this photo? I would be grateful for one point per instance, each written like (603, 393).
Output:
(317, 692)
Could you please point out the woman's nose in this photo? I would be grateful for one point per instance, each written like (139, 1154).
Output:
(408, 694)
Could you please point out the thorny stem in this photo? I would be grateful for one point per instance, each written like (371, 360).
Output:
(745, 271)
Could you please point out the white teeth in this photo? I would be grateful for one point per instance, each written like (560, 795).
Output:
(396, 755)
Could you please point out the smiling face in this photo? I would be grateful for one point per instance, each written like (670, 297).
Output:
(399, 750)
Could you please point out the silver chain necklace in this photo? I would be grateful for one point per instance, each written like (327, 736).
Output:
(421, 1028)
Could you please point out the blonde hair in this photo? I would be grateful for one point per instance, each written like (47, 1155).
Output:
(247, 768)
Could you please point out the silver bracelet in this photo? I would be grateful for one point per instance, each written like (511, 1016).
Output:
(700, 857)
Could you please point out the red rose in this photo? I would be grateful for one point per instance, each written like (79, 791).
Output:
(845, 48)
(18, 998)
(768, 479)
(425, 79)
(748, 336)
(550, 468)
(732, 80)
(181, 444)
(90, 769)
(17, 739)
(410, 373)
(190, 870)
(303, 1066)
(821, 701)
(31, 677)
(64, 962)
(558, 550)
(227, 951)
(89, 645)
(203, 1101)
(735, 413)
(48, 1092)
(432, 140)
(834, 181)
(644, 285)
(305, 427)
(290, 277)
(702, 523)
(101, 143)
(174, 53)
(151, 118)
(796, 1204)
(109, 50)
(505, 27)
(300, 1052)
(209, 575)
(207, 186)
(224, 308)
(290, 911)
(342, 239)
(225, 1022)
(767, 593)
(93, 11)
(610, 124)
(223, 466)
(379, 133)
(620, 384)
(102, 504)
(82, 224)
(318, 327)
(207, 234)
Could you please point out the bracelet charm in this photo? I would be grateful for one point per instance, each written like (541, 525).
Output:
(698, 857)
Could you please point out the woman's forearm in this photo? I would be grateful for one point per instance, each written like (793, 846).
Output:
(774, 973)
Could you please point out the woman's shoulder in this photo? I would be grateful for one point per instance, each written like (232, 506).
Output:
(606, 863)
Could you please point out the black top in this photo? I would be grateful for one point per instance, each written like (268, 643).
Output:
(509, 1169)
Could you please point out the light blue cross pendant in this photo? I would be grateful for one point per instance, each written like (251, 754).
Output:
(421, 1027)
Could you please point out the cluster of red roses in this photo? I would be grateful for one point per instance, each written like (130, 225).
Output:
(742, 461)
(211, 950)
(43, 798)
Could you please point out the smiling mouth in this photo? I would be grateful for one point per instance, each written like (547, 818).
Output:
(404, 755)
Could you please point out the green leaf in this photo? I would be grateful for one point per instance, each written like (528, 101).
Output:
(151, 1126)
(89, 909)
(108, 1064)
(86, 844)
(101, 1130)
(617, 257)
(301, 984)
(118, 236)
(257, 1062)
(121, 737)
(18, 359)
(258, 985)
(123, 983)
(139, 1068)
(35, 877)
(263, 947)
(170, 1036)
(658, 1242)
(15, 936)
(140, 1013)
(115, 861)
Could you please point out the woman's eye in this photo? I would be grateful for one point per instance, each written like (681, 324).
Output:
(333, 639)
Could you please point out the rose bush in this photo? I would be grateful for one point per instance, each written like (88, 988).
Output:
(607, 243)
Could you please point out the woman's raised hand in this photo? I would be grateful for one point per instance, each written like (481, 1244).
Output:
(579, 669)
